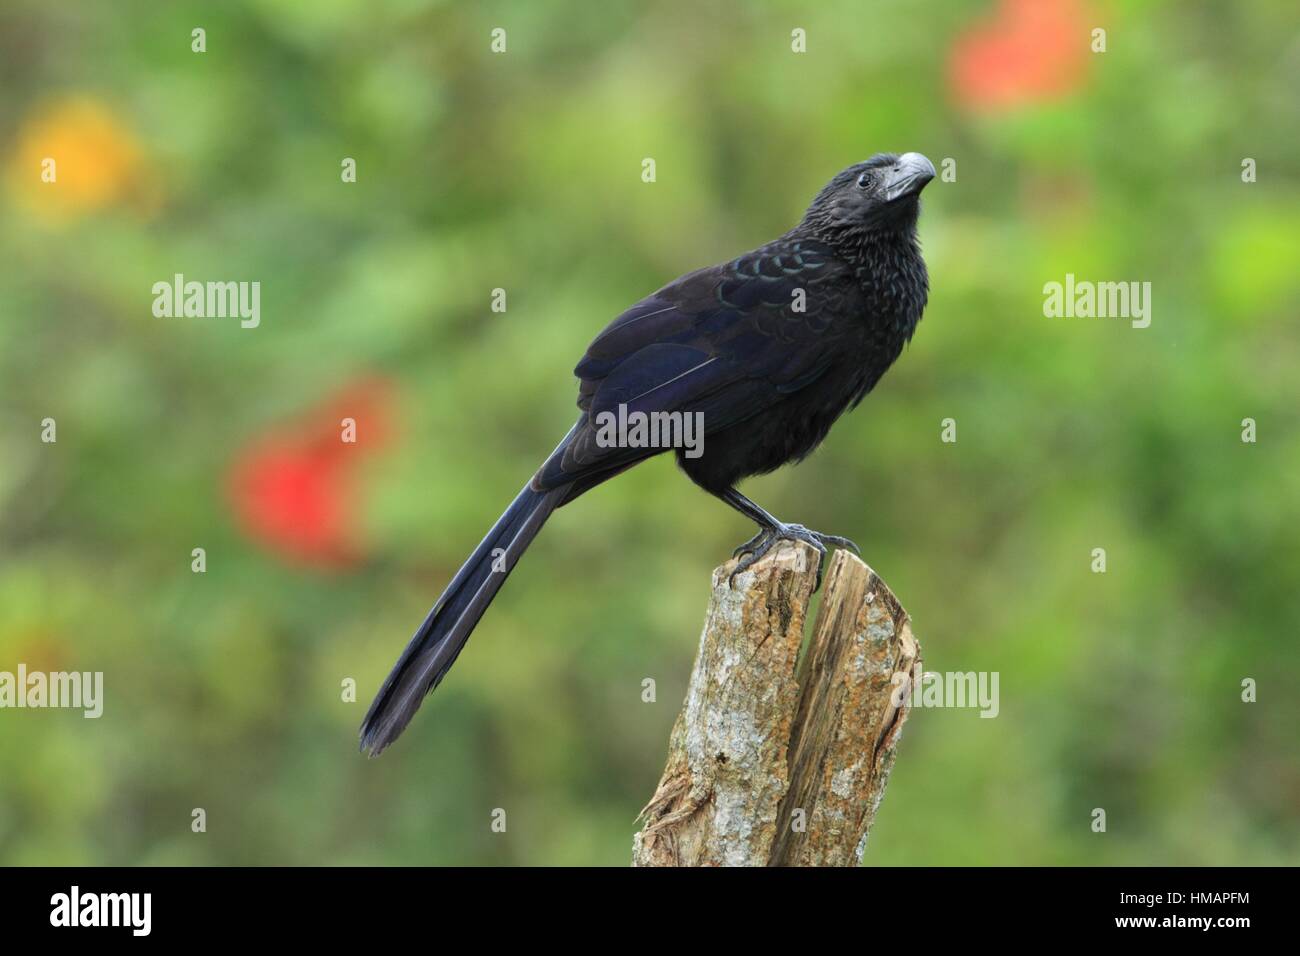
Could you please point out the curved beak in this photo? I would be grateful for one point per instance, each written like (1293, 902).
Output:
(908, 176)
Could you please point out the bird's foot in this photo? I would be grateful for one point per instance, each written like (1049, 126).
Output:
(763, 542)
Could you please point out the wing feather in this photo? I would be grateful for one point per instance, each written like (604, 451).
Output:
(726, 342)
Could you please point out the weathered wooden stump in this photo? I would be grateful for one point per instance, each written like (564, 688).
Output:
(776, 760)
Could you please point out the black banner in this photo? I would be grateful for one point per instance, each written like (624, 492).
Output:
(340, 905)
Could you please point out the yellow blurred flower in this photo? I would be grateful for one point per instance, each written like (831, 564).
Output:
(73, 157)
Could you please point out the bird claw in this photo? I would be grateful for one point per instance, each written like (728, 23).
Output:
(835, 541)
(749, 545)
(754, 549)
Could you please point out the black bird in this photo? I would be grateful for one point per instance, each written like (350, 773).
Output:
(732, 343)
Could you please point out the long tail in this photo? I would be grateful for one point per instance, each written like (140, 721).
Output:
(444, 632)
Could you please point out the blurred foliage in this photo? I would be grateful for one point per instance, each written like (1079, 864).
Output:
(522, 171)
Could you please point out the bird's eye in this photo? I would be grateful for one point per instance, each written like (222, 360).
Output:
(865, 180)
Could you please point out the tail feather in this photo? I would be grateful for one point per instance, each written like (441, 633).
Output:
(445, 630)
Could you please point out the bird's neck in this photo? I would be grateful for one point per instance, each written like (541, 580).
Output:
(890, 272)
(865, 248)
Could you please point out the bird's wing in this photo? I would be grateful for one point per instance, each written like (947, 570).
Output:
(727, 342)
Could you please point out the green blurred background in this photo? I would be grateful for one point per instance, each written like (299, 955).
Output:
(522, 171)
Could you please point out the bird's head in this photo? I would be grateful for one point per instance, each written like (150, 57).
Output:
(879, 195)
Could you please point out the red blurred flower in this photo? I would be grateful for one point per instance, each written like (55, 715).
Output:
(293, 489)
(1031, 51)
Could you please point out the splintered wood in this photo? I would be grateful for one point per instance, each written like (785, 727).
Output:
(775, 760)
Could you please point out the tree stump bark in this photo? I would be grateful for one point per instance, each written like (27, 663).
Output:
(773, 760)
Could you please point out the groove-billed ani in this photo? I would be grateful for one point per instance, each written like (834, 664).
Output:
(730, 342)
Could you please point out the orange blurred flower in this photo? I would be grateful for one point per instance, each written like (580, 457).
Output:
(74, 156)
(1030, 51)
(293, 490)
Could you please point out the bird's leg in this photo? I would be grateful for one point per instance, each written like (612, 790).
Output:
(771, 531)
